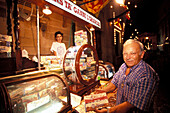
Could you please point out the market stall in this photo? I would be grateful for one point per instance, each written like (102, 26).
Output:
(14, 63)
(28, 90)
(68, 8)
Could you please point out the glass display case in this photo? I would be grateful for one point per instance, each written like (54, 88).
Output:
(111, 69)
(103, 72)
(80, 66)
(38, 93)
(106, 71)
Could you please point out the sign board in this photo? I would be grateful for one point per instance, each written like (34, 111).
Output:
(80, 38)
(75, 10)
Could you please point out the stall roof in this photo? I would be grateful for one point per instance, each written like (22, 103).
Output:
(70, 10)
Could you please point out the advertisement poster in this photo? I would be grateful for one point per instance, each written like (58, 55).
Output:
(80, 38)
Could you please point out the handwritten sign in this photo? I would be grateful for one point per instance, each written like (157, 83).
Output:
(75, 100)
(75, 10)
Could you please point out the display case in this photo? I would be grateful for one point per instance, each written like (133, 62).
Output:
(34, 93)
(103, 72)
(106, 71)
(80, 66)
(111, 69)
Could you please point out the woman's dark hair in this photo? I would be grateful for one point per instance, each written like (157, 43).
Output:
(58, 32)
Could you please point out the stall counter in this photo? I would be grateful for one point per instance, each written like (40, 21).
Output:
(111, 98)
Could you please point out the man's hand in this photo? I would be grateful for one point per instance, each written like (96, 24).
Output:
(109, 88)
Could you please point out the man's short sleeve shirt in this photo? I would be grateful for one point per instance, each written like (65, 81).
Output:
(137, 87)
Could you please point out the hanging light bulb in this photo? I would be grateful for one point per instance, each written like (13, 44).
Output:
(121, 2)
(47, 11)
(74, 1)
(92, 28)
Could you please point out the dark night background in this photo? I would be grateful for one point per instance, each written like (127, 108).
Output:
(145, 18)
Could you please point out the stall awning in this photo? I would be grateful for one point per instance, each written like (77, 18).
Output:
(69, 9)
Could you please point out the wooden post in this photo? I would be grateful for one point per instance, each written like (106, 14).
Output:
(16, 33)
(9, 25)
(16, 25)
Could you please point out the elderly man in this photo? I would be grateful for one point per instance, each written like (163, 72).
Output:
(136, 81)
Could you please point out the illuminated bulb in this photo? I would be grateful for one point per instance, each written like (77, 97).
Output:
(47, 11)
(135, 6)
(166, 38)
(111, 6)
(146, 38)
(121, 2)
(92, 29)
(74, 1)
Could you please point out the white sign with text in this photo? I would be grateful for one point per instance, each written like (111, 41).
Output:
(75, 10)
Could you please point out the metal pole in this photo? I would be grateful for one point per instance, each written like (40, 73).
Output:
(38, 42)
(86, 2)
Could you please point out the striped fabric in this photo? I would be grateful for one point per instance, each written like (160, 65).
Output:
(138, 87)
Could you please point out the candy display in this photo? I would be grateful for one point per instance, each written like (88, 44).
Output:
(80, 64)
(37, 94)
